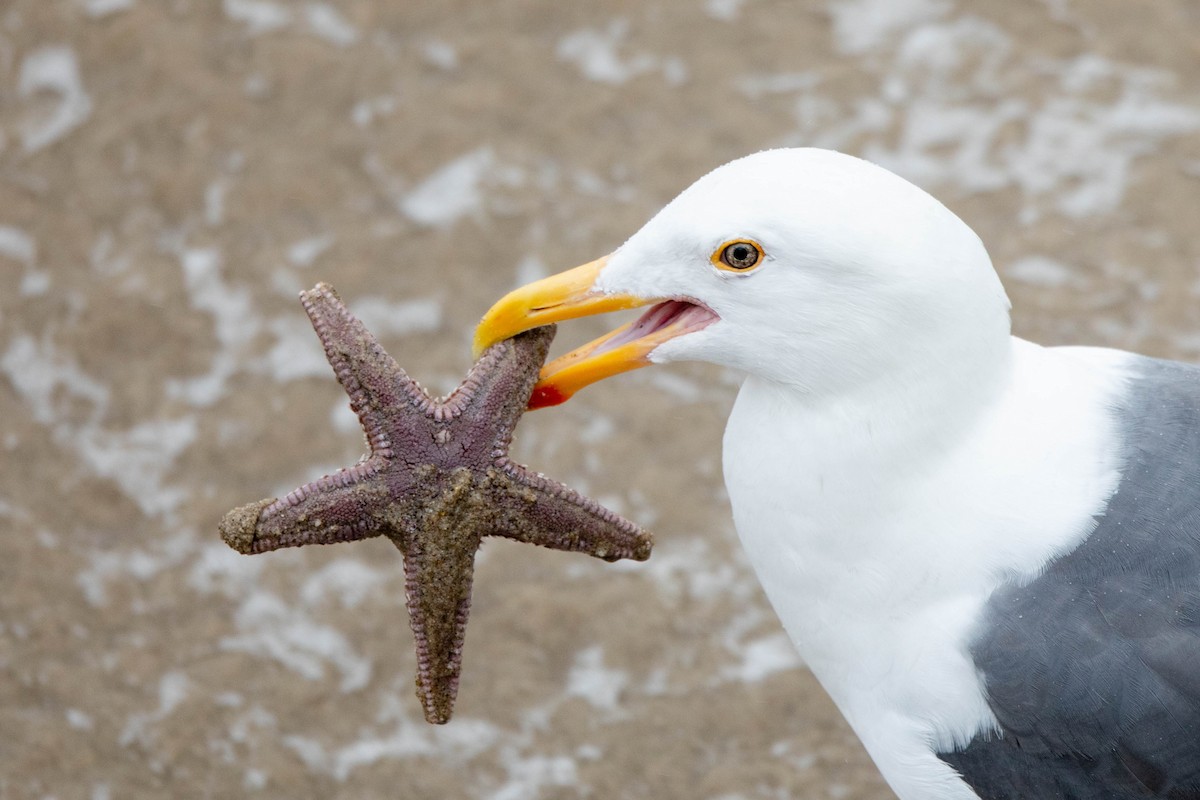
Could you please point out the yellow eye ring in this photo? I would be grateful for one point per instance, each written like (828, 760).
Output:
(738, 255)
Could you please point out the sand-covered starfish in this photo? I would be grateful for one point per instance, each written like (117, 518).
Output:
(437, 480)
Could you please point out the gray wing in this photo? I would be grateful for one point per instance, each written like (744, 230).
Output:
(1093, 669)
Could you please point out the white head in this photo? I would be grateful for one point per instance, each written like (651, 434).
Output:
(861, 276)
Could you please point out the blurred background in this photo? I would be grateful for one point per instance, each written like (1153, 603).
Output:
(173, 172)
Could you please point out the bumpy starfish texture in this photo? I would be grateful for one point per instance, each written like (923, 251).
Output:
(438, 479)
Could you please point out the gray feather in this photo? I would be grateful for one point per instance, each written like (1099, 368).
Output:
(1093, 669)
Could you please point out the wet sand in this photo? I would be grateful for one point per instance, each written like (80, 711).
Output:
(173, 172)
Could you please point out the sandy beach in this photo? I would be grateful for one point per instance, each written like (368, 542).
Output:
(174, 172)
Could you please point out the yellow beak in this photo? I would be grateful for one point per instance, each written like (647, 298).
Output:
(568, 295)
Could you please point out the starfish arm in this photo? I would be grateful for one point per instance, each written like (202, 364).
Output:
(438, 479)
(542, 511)
(372, 378)
(336, 508)
(498, 386)
(439, 535)
(438, 594)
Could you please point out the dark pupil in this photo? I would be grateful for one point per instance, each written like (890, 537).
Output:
(741, 254)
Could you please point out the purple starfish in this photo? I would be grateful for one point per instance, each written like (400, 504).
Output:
(437, 480)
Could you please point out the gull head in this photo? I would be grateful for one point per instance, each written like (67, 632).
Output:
(803, 267)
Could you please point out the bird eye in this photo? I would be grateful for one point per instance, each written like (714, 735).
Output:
(738, 256)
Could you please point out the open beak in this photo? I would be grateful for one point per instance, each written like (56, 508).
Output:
(569, 295)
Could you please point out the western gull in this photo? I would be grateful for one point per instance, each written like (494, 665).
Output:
(987, 551)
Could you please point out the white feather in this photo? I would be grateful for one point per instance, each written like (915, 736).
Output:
(879, 551)
(894, 454)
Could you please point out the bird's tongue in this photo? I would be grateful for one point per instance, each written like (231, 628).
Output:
(669, 313)
(626, 348)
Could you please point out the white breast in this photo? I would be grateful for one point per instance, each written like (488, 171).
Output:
(878, 540)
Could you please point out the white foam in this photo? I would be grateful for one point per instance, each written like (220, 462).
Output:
(1040, 271)
(441, 54)
(142, 565)
(347, 579)
(256, 85)
(643, 510)
(762, 658)
(589, 183)
(596, 53)
(259, 16)
(173, 689)
(138, 460)
(409, 738)
(320, 19)
(104, 263)
(724, 10)
(254, 779)
(863, 25)
(17, 245)
(310, 751)
(296, 353)
(20, 246)
(254, 716)
(529, 269)
(1085, 148)
(235, 324)
(305, 252)
(597, 428)
(343, 419)
(271, 628)
(462, 739)
(679, 388)
(675, 71)
(48, 379)
(11, 511)
(93, 580)
(399, 318)
(53, 69)
(594, 682)
(688, 571)
(755, 86)
(80, 720)
(35, 282)
(451, 192)
(956, 104)
(102, 8)
(527, 776)
(367, 111)
(214, 201)
(218, 569)
(327, 22)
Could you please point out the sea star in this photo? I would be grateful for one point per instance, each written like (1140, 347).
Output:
(437, 480)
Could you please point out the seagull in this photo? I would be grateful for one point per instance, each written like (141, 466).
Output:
(986, 550)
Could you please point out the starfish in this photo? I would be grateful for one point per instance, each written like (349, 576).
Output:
(438, 479)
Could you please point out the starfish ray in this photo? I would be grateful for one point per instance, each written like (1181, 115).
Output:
(438, 479)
